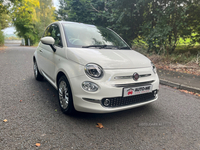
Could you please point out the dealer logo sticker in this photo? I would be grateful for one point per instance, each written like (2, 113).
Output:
(137, 90)
(130, 91)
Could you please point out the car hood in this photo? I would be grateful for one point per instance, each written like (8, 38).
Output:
(108, 59)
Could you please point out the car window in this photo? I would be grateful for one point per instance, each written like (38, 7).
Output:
(47, 32)
(54, 32)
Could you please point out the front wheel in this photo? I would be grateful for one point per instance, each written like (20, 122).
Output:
(65, 96)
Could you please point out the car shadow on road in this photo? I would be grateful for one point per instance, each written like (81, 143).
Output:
(128, 112)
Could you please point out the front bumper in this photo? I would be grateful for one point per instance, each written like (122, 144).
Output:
(92, 101)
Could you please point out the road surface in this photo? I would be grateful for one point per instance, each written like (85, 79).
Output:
(172, 122)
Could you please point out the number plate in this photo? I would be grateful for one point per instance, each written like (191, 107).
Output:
(137, 90)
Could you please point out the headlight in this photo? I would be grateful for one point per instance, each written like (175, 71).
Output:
(94, 71)
(90, 86)
(154, 68)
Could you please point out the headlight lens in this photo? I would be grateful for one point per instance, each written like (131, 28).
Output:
(94, 71)
(90, 86)
(154, 68)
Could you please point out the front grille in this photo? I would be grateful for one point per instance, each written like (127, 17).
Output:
(131, 77)
(134, 84)
(124, 101)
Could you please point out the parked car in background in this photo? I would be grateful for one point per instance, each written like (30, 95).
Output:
(93, 69)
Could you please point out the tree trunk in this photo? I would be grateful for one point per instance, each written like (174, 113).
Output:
(26, 41)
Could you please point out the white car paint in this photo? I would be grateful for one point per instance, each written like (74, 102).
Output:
(114, 59)
(72, 61)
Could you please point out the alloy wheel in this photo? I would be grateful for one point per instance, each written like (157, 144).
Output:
(63, 95)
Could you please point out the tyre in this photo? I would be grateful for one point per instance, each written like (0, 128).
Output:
(65, 96)
(37, 74)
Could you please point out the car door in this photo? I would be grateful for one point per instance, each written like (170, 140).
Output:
(49, 56)
(41, 50)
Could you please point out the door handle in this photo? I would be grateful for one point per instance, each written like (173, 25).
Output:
(40, 51)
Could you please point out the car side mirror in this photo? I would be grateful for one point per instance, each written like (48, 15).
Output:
(48, 41)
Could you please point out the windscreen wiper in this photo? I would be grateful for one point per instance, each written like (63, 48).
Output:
(100, 46)
(124, 47)
(106, 46)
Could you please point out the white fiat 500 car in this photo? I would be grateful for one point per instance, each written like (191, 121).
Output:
(93, 69)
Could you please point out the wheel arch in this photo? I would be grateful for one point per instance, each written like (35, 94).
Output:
(60, 74)
(34, 59)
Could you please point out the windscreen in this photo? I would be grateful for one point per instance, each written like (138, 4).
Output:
(82, 35)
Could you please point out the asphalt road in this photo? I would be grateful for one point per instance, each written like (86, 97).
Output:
(171, 123)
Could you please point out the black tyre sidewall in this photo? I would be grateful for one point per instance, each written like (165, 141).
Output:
(39, 77)
(70, 109)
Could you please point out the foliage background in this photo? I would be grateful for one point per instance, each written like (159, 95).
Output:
(161, 24)
(30, 17)
(1, 38)
(158, 26)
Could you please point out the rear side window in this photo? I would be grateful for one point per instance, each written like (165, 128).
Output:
(54, 32)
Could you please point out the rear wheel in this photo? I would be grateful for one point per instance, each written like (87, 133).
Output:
(37, 74)
(65, 96)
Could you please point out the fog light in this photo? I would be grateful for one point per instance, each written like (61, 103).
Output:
(90, 86)
(155, 92)
(106, 102)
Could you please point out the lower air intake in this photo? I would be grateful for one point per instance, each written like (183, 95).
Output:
(124, 101)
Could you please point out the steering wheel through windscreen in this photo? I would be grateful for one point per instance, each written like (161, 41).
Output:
(74, 41)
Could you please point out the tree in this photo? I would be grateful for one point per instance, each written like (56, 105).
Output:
(1, 37)
(82, 11)
(193, 21)
(123, 16)
(164, 23)
(45, 16)
(127, 17)
(4, 20)
(31, 17)
(61, 13)
(24, 18)
(159, 22)
(4, 5)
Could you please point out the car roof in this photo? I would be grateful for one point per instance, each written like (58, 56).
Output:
(70, 22)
